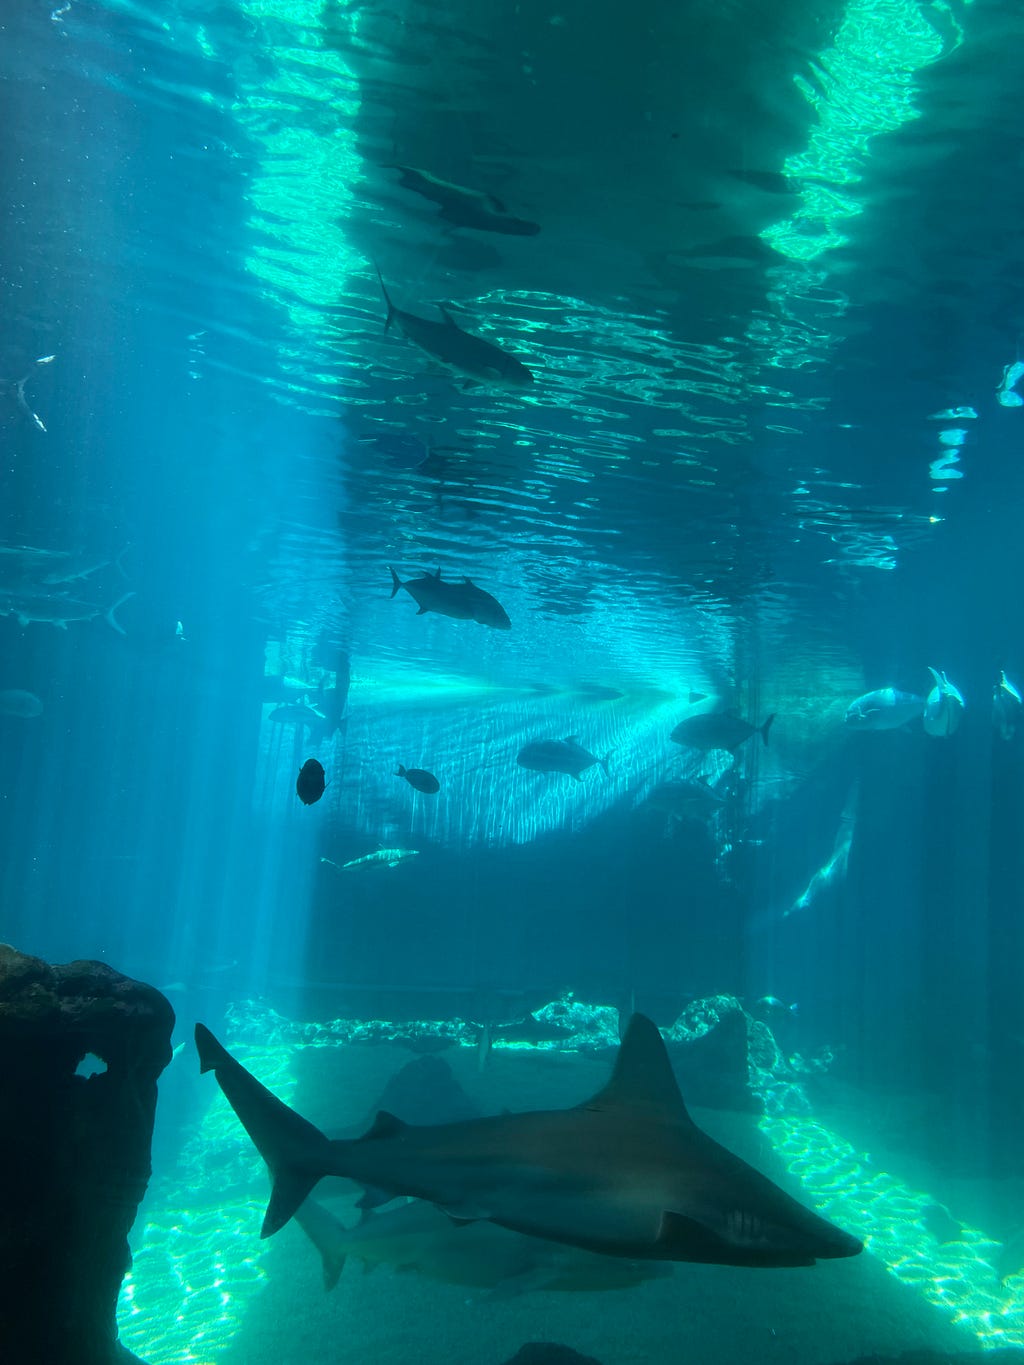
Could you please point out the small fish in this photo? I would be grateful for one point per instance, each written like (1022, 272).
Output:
(1006, 707)
(383, 857)
(943, 708)
(465, 207)
(311, 782)
(770, 1006)
(718, 730)
(884, 709)
(560, 756)
(15, 702)
(16, 389)
(419, 778)
(460, 351)
(297, 713)
(461, 601)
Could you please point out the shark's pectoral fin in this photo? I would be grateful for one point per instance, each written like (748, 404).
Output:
(461, 1214)
(422, 611)
(373, 1198)
(679, 1233)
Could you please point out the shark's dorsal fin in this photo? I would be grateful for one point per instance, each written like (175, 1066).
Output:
(643, 1080)
(385, 1125)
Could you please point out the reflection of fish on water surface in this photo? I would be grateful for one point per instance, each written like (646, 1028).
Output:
(627, 1173)
(465, 207)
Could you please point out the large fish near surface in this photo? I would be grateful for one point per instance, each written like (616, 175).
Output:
(560, 756)
(461, 601)
(718, 730)
(628, 1173)
(464, 207)
(884, 709)
(460, 351)
(943, 707)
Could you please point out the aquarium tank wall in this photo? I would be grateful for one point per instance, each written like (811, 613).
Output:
(511, 649)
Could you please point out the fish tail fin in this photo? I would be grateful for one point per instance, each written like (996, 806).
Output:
(766, 727)
(111, 617)
(400, 771)
(333, 1265)
(387, 297)
(297, 1154)
(604, 762)
(396, 582)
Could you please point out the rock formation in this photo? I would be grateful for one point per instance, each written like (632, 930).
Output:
(74, 1151)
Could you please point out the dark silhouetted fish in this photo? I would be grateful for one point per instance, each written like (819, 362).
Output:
(718, 730)
(627, 1173)
(419, 778)
(461, 601)
(465, 207)
(458, 350)
(691, 799)
(311, 782)
(559, 756)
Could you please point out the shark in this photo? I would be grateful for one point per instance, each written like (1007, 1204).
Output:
(477, 360)
(627, 1173)
(417, 1236)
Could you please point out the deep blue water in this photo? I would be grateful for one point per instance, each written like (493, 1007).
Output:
(778, 242)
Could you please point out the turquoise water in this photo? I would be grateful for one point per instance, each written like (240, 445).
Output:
(767, 464)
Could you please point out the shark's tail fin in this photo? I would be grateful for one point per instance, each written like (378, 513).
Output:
(387, 297)
(111, 617)
(296, 1152)
(604, 762)
(766, 727)
(396, 582)
(328, 1236)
